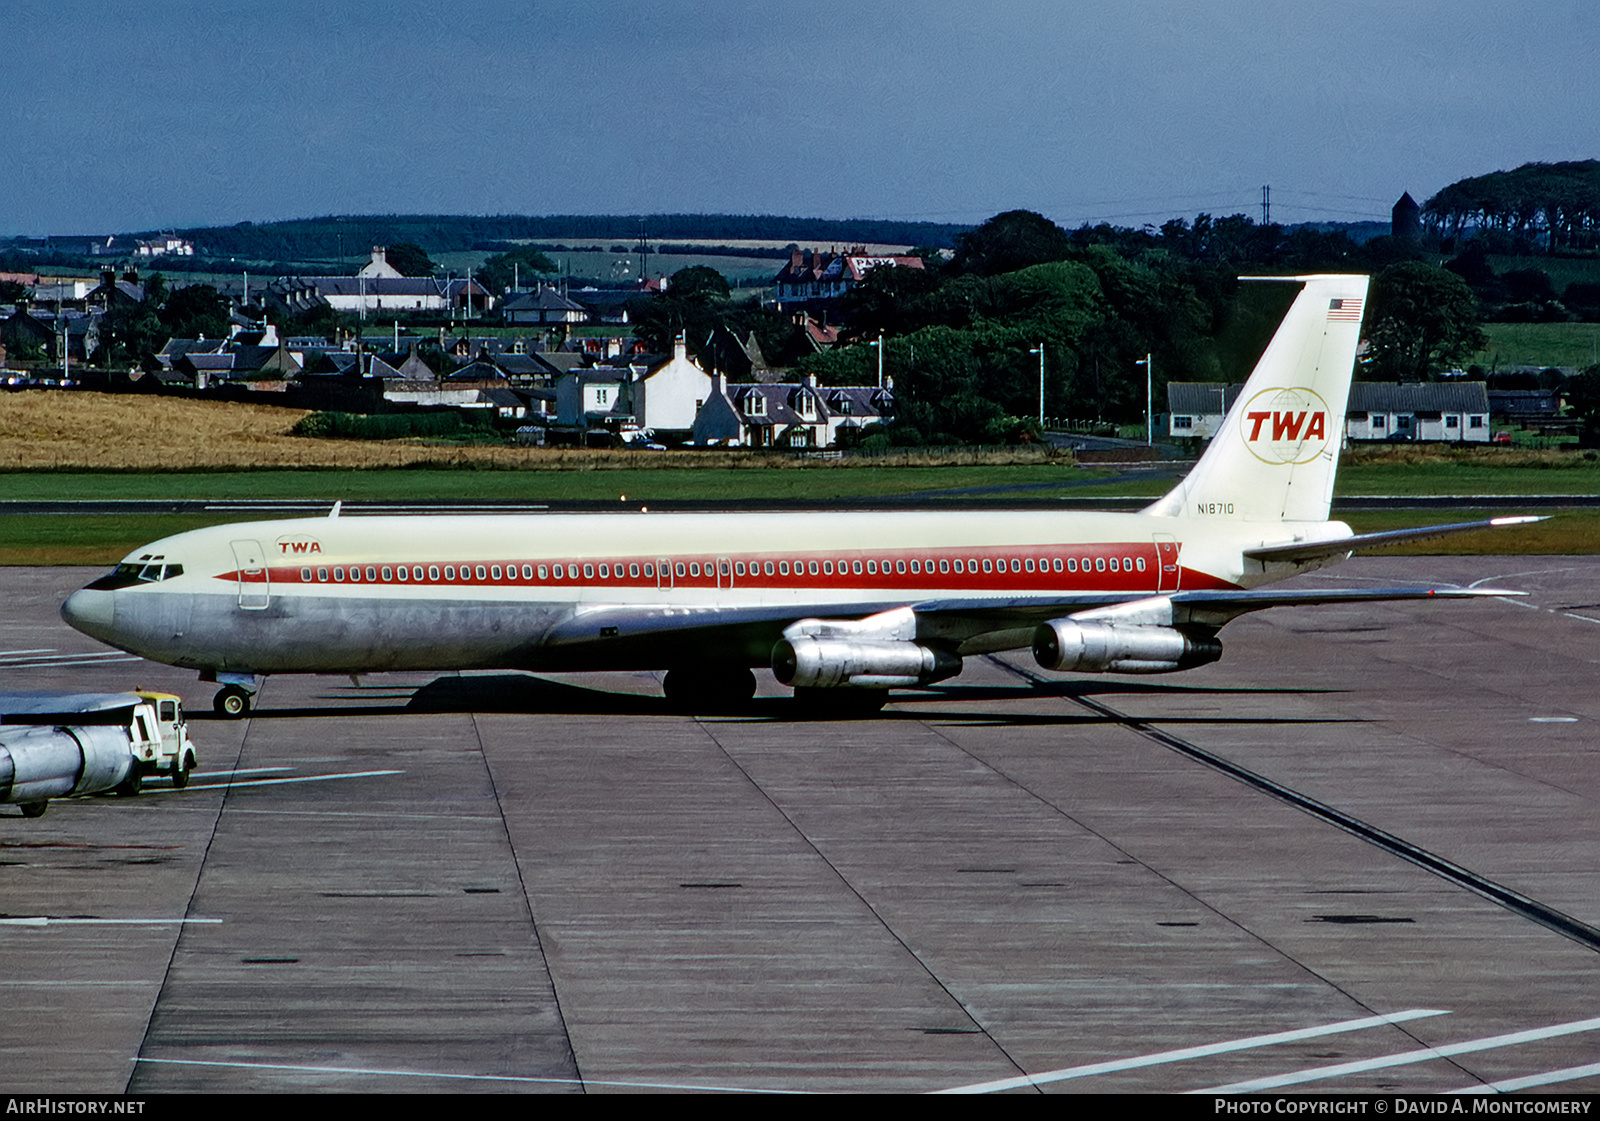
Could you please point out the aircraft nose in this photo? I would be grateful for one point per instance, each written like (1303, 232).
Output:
(90, 611)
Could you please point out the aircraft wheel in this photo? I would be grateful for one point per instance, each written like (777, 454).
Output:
(710, 688)
(232, 702)
(826, 704)
(34, 809)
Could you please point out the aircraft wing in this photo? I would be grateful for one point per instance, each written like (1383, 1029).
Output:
(1317, 550)
(972, 623)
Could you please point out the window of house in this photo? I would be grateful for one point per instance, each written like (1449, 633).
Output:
(1475, 422)
(1452, 421)
(755, 405)
(1180, 423)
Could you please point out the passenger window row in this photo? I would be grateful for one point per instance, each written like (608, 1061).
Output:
(694, 570)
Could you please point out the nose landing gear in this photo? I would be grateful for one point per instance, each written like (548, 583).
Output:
(232, 701)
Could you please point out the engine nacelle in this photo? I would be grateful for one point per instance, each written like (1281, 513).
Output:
(826, 663)
(1094, 647)
(40, 763)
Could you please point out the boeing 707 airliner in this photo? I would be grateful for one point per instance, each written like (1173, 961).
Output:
(842, 606)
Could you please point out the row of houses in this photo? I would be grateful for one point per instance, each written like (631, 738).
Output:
(1453, 412)
(567, 393)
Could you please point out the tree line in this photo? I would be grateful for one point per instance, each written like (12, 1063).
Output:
(1556, 205)
(961, 338)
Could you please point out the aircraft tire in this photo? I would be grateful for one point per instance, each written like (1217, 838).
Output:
(34, 809)
(835, 704)
(232, 702)
(710, 688)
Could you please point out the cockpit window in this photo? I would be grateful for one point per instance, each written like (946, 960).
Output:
(128, 575)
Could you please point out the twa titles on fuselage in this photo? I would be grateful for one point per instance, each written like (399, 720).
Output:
(842, 606)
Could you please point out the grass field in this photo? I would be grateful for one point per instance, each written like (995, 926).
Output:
(66, 446)
(106, 539)
(1539, 344)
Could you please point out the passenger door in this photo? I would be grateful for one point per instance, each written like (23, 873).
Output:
(255, 584)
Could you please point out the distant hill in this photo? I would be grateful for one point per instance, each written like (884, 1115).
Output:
(319, 238)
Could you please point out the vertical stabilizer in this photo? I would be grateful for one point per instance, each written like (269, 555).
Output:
(1275, 455)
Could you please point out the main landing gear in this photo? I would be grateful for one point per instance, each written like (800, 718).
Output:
(709, 688)
(838, 704)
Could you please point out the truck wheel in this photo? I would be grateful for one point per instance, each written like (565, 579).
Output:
(34, 809)
(131, 785)
(232, 702)
(180, 776)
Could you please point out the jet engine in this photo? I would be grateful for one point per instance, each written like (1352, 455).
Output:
(40, 763)
(1099, 647)
(823, 663)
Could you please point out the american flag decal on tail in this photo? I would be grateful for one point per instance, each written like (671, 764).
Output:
(1344, 311)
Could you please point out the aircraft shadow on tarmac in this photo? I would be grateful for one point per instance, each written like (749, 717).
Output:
(526, 694)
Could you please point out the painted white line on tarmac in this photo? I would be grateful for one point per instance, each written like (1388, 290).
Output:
(281, 781)
(1527, 1082)
(384, 816)
(45, 920)
(1585, 618)
(1552, 720)
(384, 1072)
(64, 660)
(1405, 1058)
(16, 653)
(1185, 1053)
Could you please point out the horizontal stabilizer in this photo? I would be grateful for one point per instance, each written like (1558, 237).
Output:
(1317, 550)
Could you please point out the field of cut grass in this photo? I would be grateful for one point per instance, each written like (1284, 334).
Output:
(1539, 344)
(106, 539)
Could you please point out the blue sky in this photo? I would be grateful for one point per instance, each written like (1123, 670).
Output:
(129, 115)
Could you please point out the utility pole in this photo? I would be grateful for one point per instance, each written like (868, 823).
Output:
(1039, 350)
(1149, 399)
(1266, 206)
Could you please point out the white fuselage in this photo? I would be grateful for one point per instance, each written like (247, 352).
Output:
(358, 594)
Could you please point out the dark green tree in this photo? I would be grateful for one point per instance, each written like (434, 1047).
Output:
(1583, 400)
(698, 282)
(693, 305)
(194, 311)
(1010, 241)
(525, 262)
(1421, 320)
(410, 259)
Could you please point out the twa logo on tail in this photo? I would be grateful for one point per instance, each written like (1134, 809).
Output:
(1283, 426)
